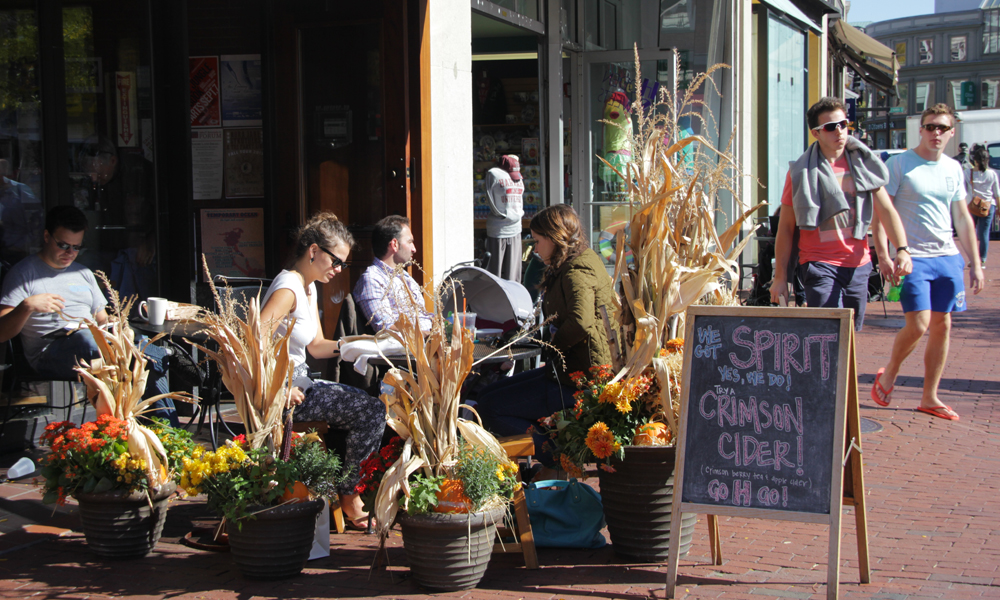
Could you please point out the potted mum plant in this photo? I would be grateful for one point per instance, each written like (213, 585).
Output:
(118, 469)
(270, 504)
(267, 485)
(452, 480)
(668, 256)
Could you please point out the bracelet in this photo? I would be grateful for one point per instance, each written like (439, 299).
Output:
(903, 249)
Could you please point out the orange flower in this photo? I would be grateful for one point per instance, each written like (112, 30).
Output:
(601, 441)
(571, 468)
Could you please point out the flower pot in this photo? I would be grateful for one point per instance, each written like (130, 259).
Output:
(120, 525)
(275, 543)
(441, 553)
(638, 501)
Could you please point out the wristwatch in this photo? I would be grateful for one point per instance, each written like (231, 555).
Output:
(903, 249)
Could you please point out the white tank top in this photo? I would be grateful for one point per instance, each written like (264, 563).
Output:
(306, 327)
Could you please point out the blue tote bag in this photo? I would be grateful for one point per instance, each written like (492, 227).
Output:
(565, 514)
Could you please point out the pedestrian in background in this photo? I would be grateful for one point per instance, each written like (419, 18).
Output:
(984, 183)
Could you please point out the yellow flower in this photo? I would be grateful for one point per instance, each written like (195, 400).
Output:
(500, 475)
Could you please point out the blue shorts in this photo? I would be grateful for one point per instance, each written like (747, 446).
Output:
(936, 284)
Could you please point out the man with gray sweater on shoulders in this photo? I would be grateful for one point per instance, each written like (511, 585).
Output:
(833, 193)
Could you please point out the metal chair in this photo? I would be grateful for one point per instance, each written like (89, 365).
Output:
(17, 373)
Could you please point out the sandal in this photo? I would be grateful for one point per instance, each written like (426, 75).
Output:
(359, 523)
(880, 395)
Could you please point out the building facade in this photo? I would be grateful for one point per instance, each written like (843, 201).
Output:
(951, 57)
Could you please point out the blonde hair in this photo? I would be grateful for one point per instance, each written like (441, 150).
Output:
(323, 229)
(561, 224)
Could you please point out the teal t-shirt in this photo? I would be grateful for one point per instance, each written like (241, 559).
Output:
(922, 192)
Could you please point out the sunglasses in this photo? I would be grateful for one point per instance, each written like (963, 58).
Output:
(932, 127)
(336, 259)
(64, 246)
(832, 126)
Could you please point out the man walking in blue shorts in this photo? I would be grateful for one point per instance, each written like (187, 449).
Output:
(929, 193)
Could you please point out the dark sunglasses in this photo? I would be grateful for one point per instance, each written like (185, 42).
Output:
(932, 127)
(336, 259)
(64, 246)
(832, 126)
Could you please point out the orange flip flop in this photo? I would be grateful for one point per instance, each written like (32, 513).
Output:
(880, 395)
(943, 412)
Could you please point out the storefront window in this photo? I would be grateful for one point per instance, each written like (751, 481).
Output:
(567, 20)
(786, 117)
(954, 99)
(901, 53)
(898, 139)
(612, 24)
(925, 51)
(903, 96)
(613, 89)
(924, 96)
(988, 95)
(22, 213)
(109, 135)
(958, 48)
(991, 31)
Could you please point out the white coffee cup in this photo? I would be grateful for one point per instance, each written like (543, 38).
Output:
(153, 310)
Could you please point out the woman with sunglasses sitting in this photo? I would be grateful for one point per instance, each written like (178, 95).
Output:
(320, 253)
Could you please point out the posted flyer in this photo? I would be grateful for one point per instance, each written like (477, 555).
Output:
(232, 240)
(241, 90)
(204, 86)
(207, 163)
(244, 163)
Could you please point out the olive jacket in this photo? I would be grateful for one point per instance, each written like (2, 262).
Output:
(575, 293)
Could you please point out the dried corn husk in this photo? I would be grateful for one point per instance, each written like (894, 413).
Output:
(117, 380)
(254, 364)
(422, 407)
(679, 258)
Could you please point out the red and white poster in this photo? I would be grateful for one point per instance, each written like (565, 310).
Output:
(126, 109)
(205, 111)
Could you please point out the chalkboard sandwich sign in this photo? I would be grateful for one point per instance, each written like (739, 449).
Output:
(764, 415)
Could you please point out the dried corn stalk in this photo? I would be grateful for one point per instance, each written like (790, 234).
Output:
(254, 364)
(116, 383)
(678, 257)
(423, 407)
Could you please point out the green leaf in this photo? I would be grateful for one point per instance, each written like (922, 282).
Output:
(104, 485)
(89, 485)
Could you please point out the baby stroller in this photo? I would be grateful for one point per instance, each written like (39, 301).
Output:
(498, 303)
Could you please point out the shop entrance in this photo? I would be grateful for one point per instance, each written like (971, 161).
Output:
(342, 120)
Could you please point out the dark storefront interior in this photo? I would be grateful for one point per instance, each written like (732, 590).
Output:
(99, 110)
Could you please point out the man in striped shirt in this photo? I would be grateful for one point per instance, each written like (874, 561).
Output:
(386, 290)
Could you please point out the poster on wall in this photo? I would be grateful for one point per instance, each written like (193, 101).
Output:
(127, 110)
(232, 240)
(206, 163)
(244, 163)
(204, 90)
(241, 80)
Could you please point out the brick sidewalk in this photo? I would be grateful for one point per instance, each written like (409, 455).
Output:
(933, 519)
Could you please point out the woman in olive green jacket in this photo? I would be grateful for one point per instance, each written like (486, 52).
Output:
(574, 286)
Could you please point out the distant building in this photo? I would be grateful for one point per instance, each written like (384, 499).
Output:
(951, 56)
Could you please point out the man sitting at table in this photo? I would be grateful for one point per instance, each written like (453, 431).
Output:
(45, 297)
(385, 291)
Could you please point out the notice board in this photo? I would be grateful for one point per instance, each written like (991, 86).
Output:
(766, 397)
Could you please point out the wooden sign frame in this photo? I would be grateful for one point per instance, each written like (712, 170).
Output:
(846, 490)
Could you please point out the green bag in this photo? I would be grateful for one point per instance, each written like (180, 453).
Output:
(565, 514)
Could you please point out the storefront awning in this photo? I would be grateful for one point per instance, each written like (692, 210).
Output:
(871, 60)
(792, 12)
